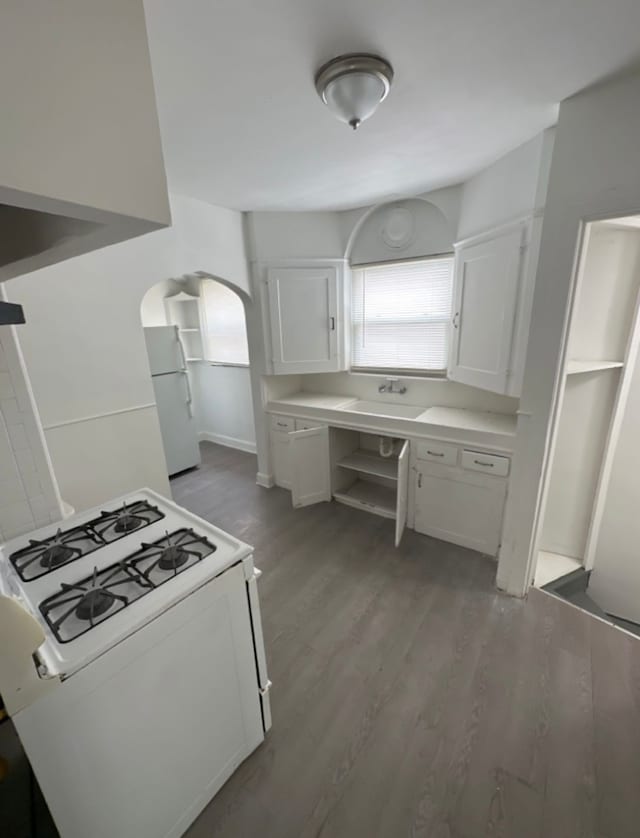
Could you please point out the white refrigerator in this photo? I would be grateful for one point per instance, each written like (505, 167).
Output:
(173, 397)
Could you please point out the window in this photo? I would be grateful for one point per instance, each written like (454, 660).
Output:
(400, 316)
(225, 338)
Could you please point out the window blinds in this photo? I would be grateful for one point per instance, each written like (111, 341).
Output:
(400, 315)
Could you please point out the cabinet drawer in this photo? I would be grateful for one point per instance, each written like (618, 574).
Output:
(437, 452)
(307, 424)
(487, 463)
(282, 423)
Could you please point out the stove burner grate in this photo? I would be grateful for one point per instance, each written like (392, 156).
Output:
(77, 608)
(167, 556)
(43, 556)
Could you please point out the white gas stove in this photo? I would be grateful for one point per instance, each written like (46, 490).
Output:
(143, 607)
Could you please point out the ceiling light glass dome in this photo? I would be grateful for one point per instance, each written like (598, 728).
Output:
(352, 86)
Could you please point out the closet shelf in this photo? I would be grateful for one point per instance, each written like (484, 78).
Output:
(577, 367)
(189, 330)
(371, 497)
(370, 462)
(552, 566)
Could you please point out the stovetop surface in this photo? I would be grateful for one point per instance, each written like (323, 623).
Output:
(88, 602)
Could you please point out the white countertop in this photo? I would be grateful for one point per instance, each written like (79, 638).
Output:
(316, 400)
(492, 430)
(472, 420)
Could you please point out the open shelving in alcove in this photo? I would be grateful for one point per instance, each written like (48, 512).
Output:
(600, 352)
(183, 310)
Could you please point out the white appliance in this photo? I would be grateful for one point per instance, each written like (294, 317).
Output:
(173, 397)
(132, 663)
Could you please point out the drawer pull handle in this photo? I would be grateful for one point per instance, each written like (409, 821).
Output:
(482, 463)
(420, 481)
(281, 424)
(435, 453)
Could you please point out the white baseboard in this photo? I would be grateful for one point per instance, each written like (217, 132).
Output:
(228, 441)
(265, 480)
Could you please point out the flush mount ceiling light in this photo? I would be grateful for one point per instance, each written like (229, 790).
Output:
(352, 86)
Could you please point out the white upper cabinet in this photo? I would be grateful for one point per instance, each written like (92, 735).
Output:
(494, 276)
(306, 319)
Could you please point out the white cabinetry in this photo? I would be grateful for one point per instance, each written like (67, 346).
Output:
(318, 463)
(494, 278)
(306, 319)
(462, 502)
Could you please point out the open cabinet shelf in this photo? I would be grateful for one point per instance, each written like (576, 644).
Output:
(578, 367)
(370, 462)
(582, 516)
(370, 496)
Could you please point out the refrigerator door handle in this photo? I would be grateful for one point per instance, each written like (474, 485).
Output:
(189, 396)
(182, 355)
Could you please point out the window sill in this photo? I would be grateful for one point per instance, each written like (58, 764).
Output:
(400, 375)
(227, 364)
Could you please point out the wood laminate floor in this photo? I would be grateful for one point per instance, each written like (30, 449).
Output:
(409, 697)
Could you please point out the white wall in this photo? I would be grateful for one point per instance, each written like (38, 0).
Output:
(594, 173)
(432, 233)
(512, 187)
(85, 352)
(152, 308)
(223, 405)
(615, 579)
(29, 496)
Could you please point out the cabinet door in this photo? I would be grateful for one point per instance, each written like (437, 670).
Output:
(403, 491)
(487, 277)
(281, 457)
(304, 317)
(463, 509)
(310, 472)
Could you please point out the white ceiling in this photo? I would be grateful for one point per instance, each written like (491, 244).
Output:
(242, 125)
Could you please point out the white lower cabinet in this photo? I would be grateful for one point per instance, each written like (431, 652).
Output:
(281, 459)
(459, 503)
(440, 489)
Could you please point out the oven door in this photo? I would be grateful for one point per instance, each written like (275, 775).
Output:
(135, 744)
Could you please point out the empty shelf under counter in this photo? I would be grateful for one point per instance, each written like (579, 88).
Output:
(370, 497)
(370, 462)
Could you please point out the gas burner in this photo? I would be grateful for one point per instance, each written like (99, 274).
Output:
(172, 558)
(92, 600)
(41, 557)
(56, 554)
(133, 516)
(127, 523)
(168, 556)
(93, 604)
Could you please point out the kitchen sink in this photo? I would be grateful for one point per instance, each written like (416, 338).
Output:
(398, 411)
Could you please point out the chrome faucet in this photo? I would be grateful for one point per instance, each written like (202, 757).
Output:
(392, 385)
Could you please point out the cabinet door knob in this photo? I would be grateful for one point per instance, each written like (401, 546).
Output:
(332, 324)
(456, 320)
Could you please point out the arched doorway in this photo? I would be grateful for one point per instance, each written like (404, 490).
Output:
(196, 336)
